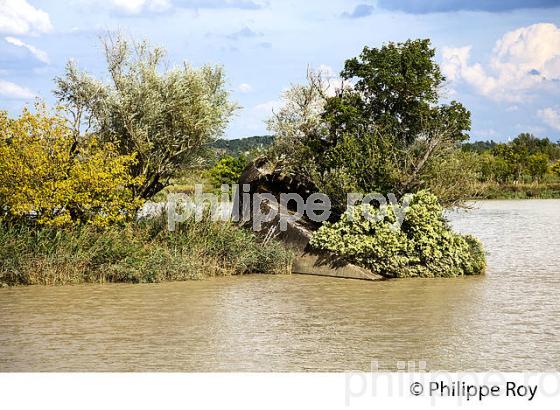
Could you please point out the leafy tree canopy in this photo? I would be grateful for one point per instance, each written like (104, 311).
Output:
(227, 170)
(382, 131)
(396, 87)
(54, 178)
(165, 116)
(524, 157)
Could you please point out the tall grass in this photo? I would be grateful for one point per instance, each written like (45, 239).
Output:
(522, 190)
(139, 252)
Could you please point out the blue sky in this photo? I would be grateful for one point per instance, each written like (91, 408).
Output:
(502, 58)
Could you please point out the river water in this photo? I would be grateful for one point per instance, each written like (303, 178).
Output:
(505, 320)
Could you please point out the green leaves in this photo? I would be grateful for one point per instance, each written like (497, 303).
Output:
(425, 246)
(524, 158)
(166, 116)
(398, 84)
(383, 131)
(555, 169)
(227, 171)
(537, 165)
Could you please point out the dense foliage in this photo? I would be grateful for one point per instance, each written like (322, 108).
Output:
(556, 169)
(139, 252)
(50, 174)
(382, 131)
(424, 246)
(525, 158)
(242, 146)
(227, 171)
(71, 182)
(166, 117)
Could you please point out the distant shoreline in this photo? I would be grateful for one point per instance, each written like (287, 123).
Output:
(547, 190)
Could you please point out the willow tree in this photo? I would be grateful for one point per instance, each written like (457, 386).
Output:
(166, 116)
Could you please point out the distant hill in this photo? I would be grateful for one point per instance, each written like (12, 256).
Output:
(479, 146)
(240, 146)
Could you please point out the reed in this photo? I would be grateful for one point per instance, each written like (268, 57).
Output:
(138, 253)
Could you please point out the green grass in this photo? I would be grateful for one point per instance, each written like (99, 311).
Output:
(544, 190)
(137, 253)
(186, 184)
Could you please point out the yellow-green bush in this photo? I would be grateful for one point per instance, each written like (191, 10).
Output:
(55, 177)
(227, 170)
(424, 246)
(555, 169)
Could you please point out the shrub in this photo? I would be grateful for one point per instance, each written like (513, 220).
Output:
(555, 169)
(424, 246)
(135, 252)
(58, 177)
(227, 170)
(537, 166)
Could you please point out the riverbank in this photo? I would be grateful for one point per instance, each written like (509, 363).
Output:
(546, 190)
(310, 323)
(143, 252)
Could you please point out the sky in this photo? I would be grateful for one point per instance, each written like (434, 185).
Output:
(501, 58)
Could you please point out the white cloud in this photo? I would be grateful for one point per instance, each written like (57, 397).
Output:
(245, 88)
(19, 17)
(139, 6)
(551, 117)
(254, 118)
(485, 133)
(455, 67)
(39, 54)
(268, 107)
(333, 82)
(12, 90)
(326, 71)
(135, 7)
(522, 61)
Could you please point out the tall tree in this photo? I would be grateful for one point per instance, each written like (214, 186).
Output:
(384, 131)
(395, 87)
(165, 116)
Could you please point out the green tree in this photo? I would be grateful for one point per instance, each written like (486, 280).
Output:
(227, 170)
(53, 178)
(509, 161)
(555, 169)
(494, 168)
(529, 144)
(396, 87)
(382, 132)
(299, 126)
(164, 116)
(537, 165)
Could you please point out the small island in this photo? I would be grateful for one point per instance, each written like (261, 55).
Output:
(74, 178)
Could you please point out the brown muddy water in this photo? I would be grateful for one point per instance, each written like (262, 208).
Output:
(505, 320)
